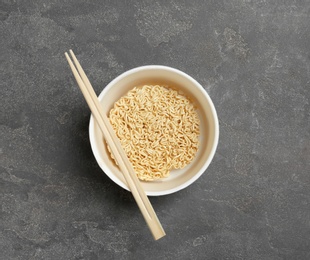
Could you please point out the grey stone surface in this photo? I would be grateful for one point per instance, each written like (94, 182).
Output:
(253, 59)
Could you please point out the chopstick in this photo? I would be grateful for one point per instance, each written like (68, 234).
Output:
(116, 148)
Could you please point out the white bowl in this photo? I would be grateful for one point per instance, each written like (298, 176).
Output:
(209, 127)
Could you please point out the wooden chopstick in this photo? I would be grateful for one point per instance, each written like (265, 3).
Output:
(116, 148)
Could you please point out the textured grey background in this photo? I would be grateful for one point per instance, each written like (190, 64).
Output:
(253, 59)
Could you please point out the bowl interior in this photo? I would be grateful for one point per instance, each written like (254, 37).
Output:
(180, 178)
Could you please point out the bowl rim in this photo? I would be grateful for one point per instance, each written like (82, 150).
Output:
(94, 145)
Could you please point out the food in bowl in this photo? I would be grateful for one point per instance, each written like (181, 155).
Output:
(158, 128)
(183, 83)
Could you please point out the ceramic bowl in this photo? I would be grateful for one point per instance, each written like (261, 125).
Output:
(209, 127)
